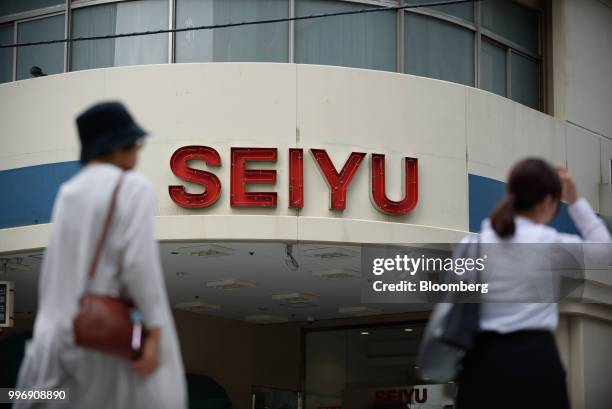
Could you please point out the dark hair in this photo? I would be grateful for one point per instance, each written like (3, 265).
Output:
(530, 181)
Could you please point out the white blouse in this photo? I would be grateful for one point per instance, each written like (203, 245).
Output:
(130, 264)
(510, 317)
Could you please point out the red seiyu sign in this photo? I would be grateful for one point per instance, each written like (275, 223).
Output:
(241, 176)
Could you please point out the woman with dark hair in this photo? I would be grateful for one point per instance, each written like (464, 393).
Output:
(515, 362)
(102, 242)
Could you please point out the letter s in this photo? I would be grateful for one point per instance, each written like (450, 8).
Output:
(211, 183)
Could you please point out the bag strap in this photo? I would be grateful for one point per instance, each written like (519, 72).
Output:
(105, 229)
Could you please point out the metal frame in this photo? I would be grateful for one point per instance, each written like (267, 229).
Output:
(478, 44)
(508, 72)
(86, 3)
(443, 16)
(376, 2)
(509, 43)
(15, 52)
(67, 34)
(33, 13)
(542, 72)
(400, 42)
(291, 51)
(171, 36)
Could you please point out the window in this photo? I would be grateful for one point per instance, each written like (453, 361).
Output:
(493, 68)
(523, 83)
(438, 49)
(117, 18)
(265, 42)
(358, 40)
(6, 54)
(524, 80)
(495, 45)
(440, 42)
(49, 57)
(512, 21)
(510, 57)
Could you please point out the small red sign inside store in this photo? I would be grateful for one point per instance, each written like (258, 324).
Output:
(408, 395)
(241, 176)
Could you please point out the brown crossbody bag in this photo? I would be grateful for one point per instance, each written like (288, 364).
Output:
(106, 323)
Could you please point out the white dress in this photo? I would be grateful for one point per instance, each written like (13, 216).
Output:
(52, 360)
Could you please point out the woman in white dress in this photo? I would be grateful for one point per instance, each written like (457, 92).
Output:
(129, 266)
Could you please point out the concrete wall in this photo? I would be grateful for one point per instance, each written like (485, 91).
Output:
(582, 86)
(582, 56)
(597, 363)
(452, 129)
(278, 105)
(582, 90)
(583, 337)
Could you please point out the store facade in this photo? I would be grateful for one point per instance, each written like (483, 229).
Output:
(296, 166)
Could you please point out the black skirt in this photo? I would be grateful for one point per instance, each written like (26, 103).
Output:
(520, 370)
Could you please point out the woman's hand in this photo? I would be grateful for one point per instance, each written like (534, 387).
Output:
(568, 188)
(149, 360)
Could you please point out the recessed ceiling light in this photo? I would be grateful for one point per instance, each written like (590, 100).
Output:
(337, 273)
(297, 305)
(365, 333)
(206, 250)
(295, 297)
(265, 319)
(360, 311)
(407, 329)
(230, 284)
(197, 307)
(331, 253)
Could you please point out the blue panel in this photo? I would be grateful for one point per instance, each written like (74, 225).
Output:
(28, 193)
(563, 221)
(483, 196)
(485, 193)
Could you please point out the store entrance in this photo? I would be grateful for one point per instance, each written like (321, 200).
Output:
(369, 367)
(270, 325)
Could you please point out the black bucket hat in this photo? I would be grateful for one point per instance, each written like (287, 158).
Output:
(105, 127)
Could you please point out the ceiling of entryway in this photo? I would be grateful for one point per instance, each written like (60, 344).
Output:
(254, 281)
